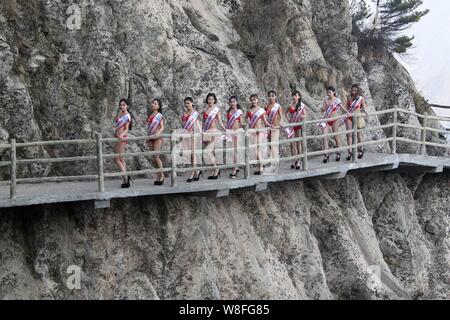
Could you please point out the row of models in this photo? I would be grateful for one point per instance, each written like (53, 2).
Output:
(270, 116)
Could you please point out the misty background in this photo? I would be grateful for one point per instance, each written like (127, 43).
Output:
(429, 60)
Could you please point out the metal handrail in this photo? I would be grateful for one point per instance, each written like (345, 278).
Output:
(100, 157)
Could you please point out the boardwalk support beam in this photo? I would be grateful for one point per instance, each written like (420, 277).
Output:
(173, 155)
(423, 146)
(261, 187)
(102, 204)
(223, 193)
(13, 169)
(305, 148)
(247, 154)
(387, 167)
(336, 176)
(100, 172)
(394, 130)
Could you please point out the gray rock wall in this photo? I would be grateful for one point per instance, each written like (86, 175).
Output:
(299, 240)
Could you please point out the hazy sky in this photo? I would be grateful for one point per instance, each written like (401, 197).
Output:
(429, 60)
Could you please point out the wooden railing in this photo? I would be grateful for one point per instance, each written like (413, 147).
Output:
(99, 143)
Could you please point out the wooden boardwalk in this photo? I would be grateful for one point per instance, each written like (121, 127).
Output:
(98, 188)
(60, 192)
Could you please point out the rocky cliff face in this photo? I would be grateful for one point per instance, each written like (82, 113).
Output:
(320, 240)
(302, 240)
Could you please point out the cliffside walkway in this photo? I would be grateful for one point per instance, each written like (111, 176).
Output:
(19, 192)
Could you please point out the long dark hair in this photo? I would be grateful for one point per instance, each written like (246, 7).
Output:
(127, 102)
(299, 104)
(159, 104)
(238, 105)
(358, 88)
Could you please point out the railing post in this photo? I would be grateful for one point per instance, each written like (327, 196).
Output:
(394, 131)
(13, 156)
(423, 146)
(173, 176)
(305, 147)
(247, 154)
(100, 169)
(355, 136)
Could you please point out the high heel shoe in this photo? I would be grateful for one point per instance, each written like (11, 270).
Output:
(338, 157)
(234, 175)
(159, 182)
(127, 184)
(298, 166)
(294, 165)
(326, 158)
(350, 155)
(197, 177)
(214, 177)
(191, 179)
(361, 154)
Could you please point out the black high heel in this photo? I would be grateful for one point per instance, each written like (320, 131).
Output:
(326, 158)
(160, 182)
(191, 179)
(298, 166)
(350, 155)
(361, 154)
(128, 183)
(197, 178)
(216, 177)
(234, 175)
(294, 165)
(338, 157)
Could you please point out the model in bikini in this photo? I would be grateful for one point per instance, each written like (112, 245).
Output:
(155, 125)
(355, 104)
(330, 107)
(122, 124)
(295, 114)
(191, 124)
(274, 113)
(211, 120)
(257, 119)
(235, 122)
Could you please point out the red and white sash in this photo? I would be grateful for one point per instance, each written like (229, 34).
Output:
(190, 122)
(256, 116)
(154, 125)
(330, 110)
(355, 105)
(273, 113)
(234, 118)
(296, 117)
(230, 124)
(122, 121)
(211, 117)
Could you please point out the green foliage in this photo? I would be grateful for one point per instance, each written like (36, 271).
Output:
(393, 17)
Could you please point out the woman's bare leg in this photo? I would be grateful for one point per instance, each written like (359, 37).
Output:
(337, 137)
(298, 134)
(157, 145)
(120, 161)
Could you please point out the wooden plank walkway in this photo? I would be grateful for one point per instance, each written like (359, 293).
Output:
(54, 192)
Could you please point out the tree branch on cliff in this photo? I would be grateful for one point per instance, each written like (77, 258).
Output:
(392, 18)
